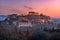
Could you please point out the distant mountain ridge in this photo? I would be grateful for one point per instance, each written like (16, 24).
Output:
(2, 17)
(56, 20)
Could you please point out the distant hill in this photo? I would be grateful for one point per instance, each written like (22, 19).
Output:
(2, 17)
(56, 20)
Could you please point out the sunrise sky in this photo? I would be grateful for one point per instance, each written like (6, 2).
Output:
(47, 7)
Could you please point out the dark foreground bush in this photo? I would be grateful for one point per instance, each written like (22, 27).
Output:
(8, 36)
(55, 36)
(38, 36)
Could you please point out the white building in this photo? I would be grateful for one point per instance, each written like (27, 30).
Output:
(22, 24)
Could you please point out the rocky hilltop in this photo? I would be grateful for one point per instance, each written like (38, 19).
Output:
(32, 21)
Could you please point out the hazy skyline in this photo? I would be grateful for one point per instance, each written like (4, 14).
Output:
(47, 7)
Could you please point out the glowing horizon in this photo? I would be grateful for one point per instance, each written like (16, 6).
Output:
(47, 7)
